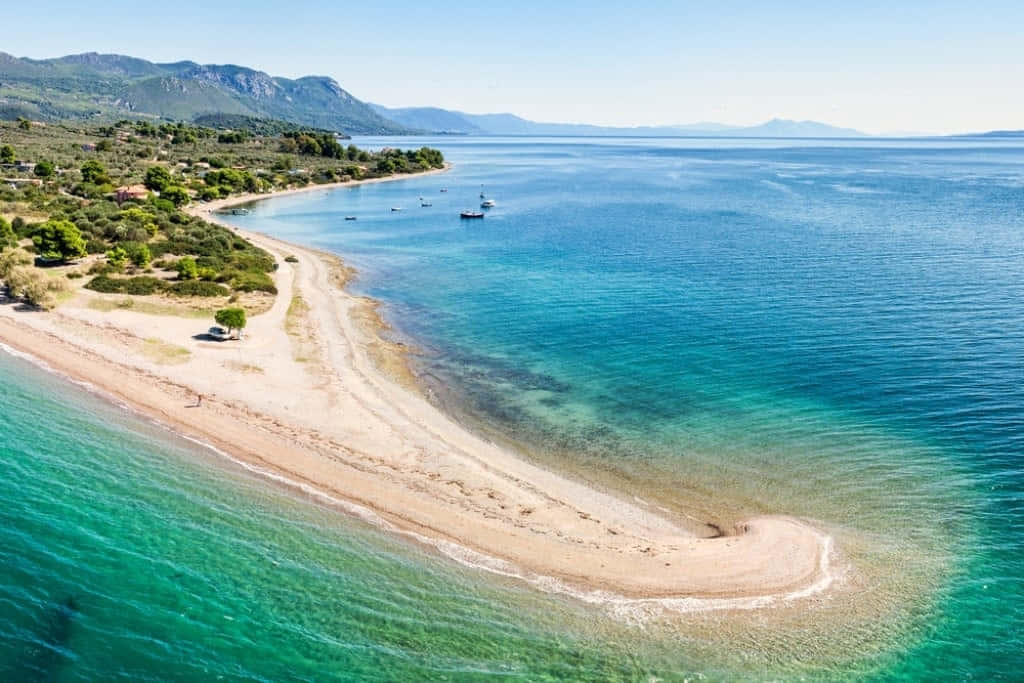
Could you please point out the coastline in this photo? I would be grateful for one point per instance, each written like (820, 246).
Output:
(336, 424)
(209, 208)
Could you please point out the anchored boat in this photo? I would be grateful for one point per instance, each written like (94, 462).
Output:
(471, 214)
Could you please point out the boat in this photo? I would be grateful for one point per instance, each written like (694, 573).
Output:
(350, 218)
(425, 204)
(444, 189)
(471, 214)
(487, 204)
(482, 195)
(239, 212)
(396, 208)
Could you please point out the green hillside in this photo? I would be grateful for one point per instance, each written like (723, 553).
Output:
(113, 86)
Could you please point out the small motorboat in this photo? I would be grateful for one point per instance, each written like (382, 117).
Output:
(396, 208)
(471, 214)
(444, 189)
(487, 204)
(425, 204)
(239, 212)
(350, 218)
(482, 195)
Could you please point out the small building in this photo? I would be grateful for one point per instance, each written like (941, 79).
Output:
(88, 147)
(15, 182)
(24, 166)
(130, 192)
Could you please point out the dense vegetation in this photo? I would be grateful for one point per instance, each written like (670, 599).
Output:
(254, 125)
(137, 237)
(66, 206)
(59, 200)
(92, 86)
(207, 163)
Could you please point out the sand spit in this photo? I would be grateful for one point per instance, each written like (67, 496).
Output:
(321, 411)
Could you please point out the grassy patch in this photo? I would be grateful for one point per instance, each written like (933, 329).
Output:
(165, 353)
(296, 325)
(180, 310)
(245, 368)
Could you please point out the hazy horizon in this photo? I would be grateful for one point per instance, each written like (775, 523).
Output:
(937, 68)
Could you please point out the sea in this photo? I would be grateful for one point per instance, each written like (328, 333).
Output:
(831, 329)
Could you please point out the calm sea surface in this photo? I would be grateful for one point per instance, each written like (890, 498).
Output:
(723, 328)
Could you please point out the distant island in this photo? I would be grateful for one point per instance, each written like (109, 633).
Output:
(449, 122)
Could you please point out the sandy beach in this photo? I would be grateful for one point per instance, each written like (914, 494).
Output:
(316, 396)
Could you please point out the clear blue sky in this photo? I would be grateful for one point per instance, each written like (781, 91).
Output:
(877, 66)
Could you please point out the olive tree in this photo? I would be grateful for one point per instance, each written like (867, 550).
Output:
(231, 318)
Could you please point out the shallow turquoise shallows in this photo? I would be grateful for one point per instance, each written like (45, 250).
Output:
(724, 328)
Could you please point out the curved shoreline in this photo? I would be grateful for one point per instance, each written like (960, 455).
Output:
(207, 209)
(358, 438)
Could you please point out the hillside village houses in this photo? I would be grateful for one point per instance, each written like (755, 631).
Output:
(129, 192)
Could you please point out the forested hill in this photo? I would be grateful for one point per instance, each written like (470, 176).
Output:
(95, 85)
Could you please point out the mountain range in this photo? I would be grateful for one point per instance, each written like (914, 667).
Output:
(109, 86)
(98, 85)
(435, 120)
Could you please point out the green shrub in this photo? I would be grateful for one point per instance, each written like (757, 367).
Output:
(253, 282)
(101, 268)
(143, 284)
(198, 288)
(187, 269)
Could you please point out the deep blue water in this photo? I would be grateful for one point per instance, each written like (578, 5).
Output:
(829, 329)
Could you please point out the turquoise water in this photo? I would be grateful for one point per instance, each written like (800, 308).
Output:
(724, 328)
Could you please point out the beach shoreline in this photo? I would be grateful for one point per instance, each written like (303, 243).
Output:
(334, 422)
(208, 209)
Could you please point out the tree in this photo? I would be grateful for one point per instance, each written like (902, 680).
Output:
(176, 194)
(157, 178)
(24, 123)
(59, 240)
(45, 169)
(117, 257)
(139, 254)
(7, 155)
(25, 282)
(7, 236)
(187, 268)
(93, 172)
(231, 318)
(209, 193)
(11, 259)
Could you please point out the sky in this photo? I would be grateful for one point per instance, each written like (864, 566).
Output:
(881, 67)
